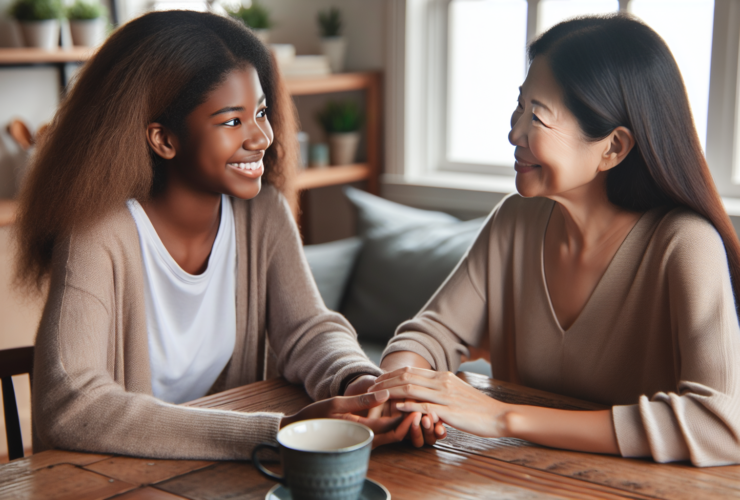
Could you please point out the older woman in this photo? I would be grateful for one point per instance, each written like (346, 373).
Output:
(611, 277)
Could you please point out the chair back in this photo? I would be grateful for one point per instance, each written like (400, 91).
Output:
(18, 361)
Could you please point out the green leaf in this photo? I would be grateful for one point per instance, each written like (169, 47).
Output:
(337, 117)
(255, 16)
(330, 22)
(85, 10)
(36, 10)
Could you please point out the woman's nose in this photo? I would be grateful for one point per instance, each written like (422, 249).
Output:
(256, 138)
(518, 132)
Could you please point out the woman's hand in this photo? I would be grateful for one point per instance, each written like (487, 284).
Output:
(422, 428)
(446, 397)
(387, 429)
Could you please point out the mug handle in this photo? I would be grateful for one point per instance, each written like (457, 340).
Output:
(261, 468)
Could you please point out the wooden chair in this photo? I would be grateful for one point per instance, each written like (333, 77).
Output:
(17, 361)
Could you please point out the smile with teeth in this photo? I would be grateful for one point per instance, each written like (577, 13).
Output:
(521, 166)
(247, 166)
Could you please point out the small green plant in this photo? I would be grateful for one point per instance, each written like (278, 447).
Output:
(330, 22)
(255, 16)
(339, 117)
(85, 10)
(36, 10)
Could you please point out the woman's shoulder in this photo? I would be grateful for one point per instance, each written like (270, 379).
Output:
(688, 235)
(112, 236)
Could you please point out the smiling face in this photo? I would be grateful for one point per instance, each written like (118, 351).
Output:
(227, 136)
(553, 157)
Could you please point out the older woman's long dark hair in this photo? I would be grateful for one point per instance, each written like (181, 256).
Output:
(616, 71)
(95, 155)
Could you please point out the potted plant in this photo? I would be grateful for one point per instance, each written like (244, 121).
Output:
(341, 121)
(39, 21)
(87, 22)
(257, 18)
(333, 44)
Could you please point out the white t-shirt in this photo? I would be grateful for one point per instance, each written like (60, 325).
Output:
(191, 320)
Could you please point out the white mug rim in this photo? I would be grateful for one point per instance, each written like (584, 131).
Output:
(354, 447)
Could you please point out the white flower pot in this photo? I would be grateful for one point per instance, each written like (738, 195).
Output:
(41, 34)
(87, 33)
(343, 147)
(334, 48)
(263, 35)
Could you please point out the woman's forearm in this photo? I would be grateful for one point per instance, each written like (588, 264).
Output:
(401, 359)
(589, 431)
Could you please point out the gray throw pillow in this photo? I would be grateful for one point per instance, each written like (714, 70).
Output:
(331, 265)
(406, 255)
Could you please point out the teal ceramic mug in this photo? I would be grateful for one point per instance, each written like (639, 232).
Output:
(322, 458)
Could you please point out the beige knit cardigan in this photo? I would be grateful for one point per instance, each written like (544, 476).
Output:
(92, 381)
(658, 340)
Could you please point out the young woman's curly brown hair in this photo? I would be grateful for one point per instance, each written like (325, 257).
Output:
(95, 155)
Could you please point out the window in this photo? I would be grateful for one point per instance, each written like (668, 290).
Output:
(465, 59)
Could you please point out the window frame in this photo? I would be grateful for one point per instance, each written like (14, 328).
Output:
(417, 136)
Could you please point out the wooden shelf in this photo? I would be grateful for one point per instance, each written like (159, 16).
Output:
(25, 55)
(330, 176)
(339, 82)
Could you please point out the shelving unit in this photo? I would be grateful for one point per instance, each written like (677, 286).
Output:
(370, 83)
(24, 56)
(307, 179)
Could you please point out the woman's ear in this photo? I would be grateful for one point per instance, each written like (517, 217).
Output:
(620, 143)
(162, 140)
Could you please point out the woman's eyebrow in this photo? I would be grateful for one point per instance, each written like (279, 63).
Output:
(540, 104)
(228, 109)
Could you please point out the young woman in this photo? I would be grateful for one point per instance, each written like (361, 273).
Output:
(164, 283)
(612, 277)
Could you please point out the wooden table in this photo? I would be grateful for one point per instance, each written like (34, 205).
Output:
(461, 466)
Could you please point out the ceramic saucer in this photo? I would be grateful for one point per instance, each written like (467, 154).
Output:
(370, 491)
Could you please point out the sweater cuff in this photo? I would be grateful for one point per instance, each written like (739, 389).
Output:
(262, 428)
(631, 437)
(349, 372)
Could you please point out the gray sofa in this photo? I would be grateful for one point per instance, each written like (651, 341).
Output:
(387, 273)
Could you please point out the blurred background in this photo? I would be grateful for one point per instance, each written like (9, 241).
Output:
(407, 100)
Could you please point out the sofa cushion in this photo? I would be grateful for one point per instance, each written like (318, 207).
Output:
(406, 255)
(331, 265)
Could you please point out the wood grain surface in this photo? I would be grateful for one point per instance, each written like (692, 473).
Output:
(460, 466)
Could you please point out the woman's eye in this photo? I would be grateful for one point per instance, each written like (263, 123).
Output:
(262, 113)
(233, 122)
(535, 118)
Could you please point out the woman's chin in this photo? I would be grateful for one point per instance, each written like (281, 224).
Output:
(247, 191)
(526, 185)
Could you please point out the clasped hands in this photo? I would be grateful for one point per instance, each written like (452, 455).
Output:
(413, 403)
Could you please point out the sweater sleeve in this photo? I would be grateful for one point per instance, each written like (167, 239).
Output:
(314, 346)
(77, 403)
(456, 315)
(700, 420)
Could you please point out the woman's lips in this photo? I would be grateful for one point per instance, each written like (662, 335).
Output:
(253, 170)
(523, 167)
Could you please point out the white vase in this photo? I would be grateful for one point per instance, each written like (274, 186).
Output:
(334, 48)
(87, 33)
(343, 147)
(263, 35)
(41, 34)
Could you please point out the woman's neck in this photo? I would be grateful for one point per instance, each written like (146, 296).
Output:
(587, 219)
(187, 223)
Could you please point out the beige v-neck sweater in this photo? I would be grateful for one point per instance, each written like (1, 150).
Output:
(92, 380)
(658, 340)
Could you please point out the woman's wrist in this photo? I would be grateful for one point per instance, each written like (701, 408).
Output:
(401, 359)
